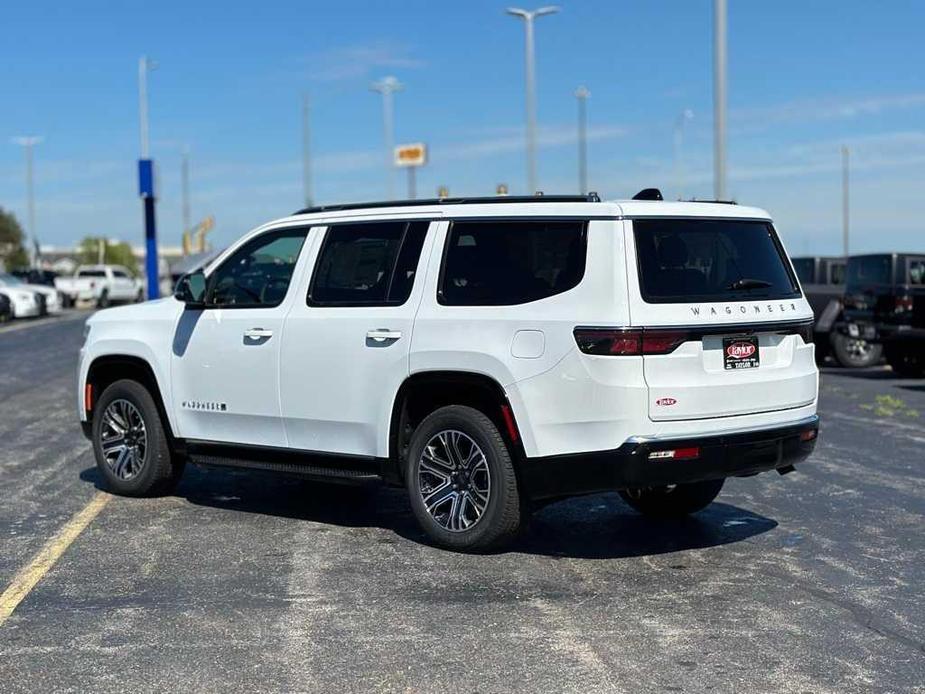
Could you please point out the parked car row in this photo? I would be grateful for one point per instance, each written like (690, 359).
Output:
(101, 285)
(868, 307)
(28, 300)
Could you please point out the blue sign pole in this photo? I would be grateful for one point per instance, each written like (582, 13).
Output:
(146, 191)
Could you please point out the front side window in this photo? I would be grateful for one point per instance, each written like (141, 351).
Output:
(503, 263)
(91, 273)
(120, 274)
(367, 264)
(257, 275)
(683, 260)
(917, 271)
(870, 269)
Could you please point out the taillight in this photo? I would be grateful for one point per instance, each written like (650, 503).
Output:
(903, 304)
(689, 453)
(629, 342)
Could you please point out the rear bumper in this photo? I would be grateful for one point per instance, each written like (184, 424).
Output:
(628, 467)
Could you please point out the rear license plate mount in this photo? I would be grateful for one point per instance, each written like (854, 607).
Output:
(741, 352)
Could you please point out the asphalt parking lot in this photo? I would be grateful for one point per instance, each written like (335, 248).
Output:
(811, 582)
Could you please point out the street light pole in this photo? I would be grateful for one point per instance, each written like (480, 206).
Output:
(387, 87)
(719, 99)
(683, 117)
(146, 181)
(184, 179)
(845, 197)
(28, 144)
(306, 152)
(529, 56)
(582, 95)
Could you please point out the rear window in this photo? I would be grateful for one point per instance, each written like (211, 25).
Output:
(503, 263)
(711, 260)
(870, 269)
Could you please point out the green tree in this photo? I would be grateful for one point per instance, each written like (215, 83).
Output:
(118, 253)
(12, 252)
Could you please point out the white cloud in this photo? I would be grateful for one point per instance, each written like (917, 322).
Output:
(355, 62)
(809, 110)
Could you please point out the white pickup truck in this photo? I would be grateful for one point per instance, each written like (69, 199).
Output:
(101, 285)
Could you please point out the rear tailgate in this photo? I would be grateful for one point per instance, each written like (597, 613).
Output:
(730, 327)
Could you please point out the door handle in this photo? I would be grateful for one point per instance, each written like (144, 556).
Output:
(383, 334)
(256, 333)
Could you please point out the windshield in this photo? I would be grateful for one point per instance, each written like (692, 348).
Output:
(870, 269)
(8, 280)
(711, 260)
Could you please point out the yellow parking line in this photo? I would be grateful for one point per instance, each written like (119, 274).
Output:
(41, 564)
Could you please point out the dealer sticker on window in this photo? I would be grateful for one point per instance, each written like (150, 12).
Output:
(740, 352)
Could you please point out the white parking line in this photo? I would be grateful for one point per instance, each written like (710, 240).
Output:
(25, 323)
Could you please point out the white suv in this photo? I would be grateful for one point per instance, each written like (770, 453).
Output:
(487, 354)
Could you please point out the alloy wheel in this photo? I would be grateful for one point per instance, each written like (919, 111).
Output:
(454, 480)
(123, 439)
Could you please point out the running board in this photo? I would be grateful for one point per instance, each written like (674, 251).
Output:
(312, 464)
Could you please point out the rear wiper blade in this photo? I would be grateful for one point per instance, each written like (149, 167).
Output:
(747, 283)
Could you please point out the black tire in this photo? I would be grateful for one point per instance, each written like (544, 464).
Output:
(907, 361)
(158, 471)
(103, 301)
(855, 353)
(674, 501)
(501, 519)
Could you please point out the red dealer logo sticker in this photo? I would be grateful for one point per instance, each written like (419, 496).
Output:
(740, 350)
(665, 402)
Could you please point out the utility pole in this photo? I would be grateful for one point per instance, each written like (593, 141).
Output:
(683, 117)
(146, 181)
(582, 95)
(28, 144)
(387, 87)
(530, 61)
(306, 152)
(719, 99)
(845, 198)
(184, 179)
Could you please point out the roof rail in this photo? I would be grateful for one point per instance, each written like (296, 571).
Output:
(498, 199)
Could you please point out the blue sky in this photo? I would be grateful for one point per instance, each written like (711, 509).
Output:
(804, 77)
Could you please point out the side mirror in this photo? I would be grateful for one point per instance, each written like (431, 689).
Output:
(191, 289)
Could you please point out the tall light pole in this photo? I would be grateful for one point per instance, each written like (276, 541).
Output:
(28, 143)
(682, 119)
(529, 17)
(719, 99)
(146, 180)
(306, 152)
(387, 86)
(582, 95)
(184, 181)
(845, 197)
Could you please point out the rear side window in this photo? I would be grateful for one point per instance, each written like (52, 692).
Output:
(684, 260)
(367, 264)
(505, 263)
(870, 269)
(805, 269)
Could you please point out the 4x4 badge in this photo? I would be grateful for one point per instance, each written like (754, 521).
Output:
(665, 402)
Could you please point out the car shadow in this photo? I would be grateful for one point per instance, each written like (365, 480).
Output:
(591, 527)
(873, 373)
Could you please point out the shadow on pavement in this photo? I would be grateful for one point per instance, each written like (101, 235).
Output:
(874, 373)
(592, 527)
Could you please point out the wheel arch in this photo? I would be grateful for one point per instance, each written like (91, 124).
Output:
(423, 392)
(106, 369)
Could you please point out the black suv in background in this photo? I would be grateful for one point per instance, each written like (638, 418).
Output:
(885, 304)
(823, 280)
